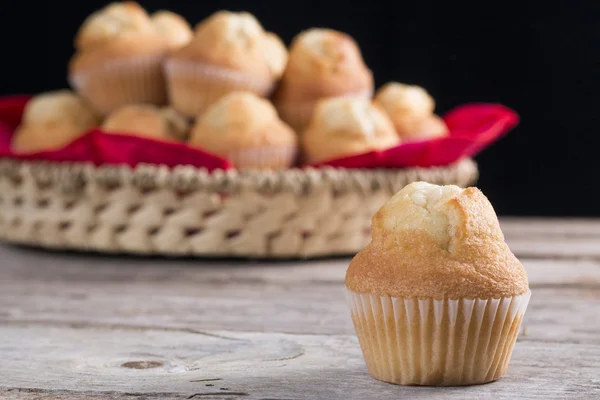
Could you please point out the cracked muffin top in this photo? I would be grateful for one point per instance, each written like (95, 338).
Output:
(439, 242)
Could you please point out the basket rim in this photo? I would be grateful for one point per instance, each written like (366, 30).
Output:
(185, 177)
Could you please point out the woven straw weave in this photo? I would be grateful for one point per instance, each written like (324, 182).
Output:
(187, 211)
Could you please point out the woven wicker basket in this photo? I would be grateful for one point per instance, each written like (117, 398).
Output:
(185, 211)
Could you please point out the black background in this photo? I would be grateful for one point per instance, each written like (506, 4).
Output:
(539, 58)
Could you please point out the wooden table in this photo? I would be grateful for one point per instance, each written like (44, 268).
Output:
(83, 327)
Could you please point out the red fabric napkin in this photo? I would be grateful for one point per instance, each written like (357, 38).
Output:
(103, 148)
(472, 128)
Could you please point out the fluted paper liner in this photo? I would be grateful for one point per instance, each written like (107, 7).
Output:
(193, 87)
(115, 83)
(263, 157)
(412, 341)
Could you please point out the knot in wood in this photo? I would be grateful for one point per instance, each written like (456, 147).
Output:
(142, 364)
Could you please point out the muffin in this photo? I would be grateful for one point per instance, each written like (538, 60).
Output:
(110, 22)
(322, 63)
(229, 52)
(147, 121)
(119, 59)
(173, 27)
(429, 127)
(246, 130)
(411, 108)
(437, 297)
(346, 126)
(52, 120)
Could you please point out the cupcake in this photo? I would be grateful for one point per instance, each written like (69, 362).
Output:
(173, 27)
(147, 121)
(411, 108)
(52, 120)
(346, 126)
(229, 52)
(322, 63)
(119, 59)
(437, 297)
(246, 130)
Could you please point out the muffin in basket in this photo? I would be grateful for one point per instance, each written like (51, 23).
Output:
(346, 126)
(437, 297)
(119, 58)
(411, 108)
(145, 120)
(52, 120)
(229, 52)
(246, 130)
(173, 27)
(322, 63)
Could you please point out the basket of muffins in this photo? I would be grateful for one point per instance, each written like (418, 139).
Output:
(217, 139)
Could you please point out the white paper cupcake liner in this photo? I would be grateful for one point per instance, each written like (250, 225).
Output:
(411, 341)
(122, 81)
(192, 86)
(298, 114)
(265, 157)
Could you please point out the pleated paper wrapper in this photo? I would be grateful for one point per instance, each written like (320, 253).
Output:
(410, 341)
(132, 80)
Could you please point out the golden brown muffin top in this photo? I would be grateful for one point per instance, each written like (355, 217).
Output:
(173, 27)
(344, 126)
(410, 108)
(52, 120)
(324, 63)
(429, 127)
(439, 242)
(111, 21)
(119, 48)
(58, 107)
(236, 41)
(143, 120)
(404, 101)
(239, 120)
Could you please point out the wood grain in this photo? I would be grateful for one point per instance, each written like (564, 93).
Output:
(76, 326)
(210, 295)
(257, 366)
(545, 227)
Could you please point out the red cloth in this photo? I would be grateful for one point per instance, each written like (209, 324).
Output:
(472, 128)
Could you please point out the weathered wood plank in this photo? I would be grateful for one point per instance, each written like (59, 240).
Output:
(289, 297)
(544, 227)
(245, 365)
(555, 247)
(31, 266)
(42, 394)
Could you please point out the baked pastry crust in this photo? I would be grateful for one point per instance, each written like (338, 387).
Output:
(410, 108)
(440, 242)
(429, 127)
(236, 41)
(404, 100)
(52, 120)
(173, 27)
(344, 126)
(125, 45)
(145, 121)
(240, 120)
(323, 63)
(112, 21)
